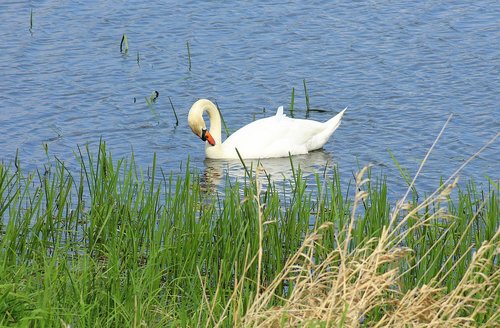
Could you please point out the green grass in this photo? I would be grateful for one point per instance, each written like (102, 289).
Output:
(115, 246)
(189, 55)
(226, 129)
(124, 44)
(173, 109)
(308, 106)
(31, 20)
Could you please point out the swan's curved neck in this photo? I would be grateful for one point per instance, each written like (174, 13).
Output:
(205, 105)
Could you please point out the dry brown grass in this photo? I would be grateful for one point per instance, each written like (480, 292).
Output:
(361, 287)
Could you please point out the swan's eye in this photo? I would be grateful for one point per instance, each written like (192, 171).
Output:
(204, 134)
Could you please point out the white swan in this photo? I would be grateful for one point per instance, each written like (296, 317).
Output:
(275, 136)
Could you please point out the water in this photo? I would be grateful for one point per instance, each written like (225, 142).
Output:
(401, 68)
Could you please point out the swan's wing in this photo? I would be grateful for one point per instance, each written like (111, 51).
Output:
(275, 136)
(279, 135)
(279, 112)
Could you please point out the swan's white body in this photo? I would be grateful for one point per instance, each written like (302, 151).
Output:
(275, 136)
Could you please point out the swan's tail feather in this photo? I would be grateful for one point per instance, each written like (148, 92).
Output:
(334, 122)
(279, 112)
(330, 126)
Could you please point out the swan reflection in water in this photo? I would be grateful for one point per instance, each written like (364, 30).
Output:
(274, 169)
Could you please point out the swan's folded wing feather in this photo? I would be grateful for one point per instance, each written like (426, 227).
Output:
(279, 112)
(274, 136)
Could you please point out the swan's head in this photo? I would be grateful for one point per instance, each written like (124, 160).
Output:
(198, 126)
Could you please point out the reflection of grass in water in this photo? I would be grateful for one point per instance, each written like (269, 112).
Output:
(115, 244)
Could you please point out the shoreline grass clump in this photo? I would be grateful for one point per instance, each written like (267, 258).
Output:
(111, 245)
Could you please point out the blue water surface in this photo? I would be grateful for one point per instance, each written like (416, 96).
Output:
(402, 68)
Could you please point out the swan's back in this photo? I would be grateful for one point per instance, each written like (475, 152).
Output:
(279, 136)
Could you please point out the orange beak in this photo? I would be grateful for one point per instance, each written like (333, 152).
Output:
(206, 136)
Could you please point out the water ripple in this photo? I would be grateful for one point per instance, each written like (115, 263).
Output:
(402, 68)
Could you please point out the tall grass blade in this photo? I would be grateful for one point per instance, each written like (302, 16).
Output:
(226, 129)
(31, 20)
(189, 55)
(173, 109)
(308, 106)
(110, 243)
(404, 172)
(124, 44)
